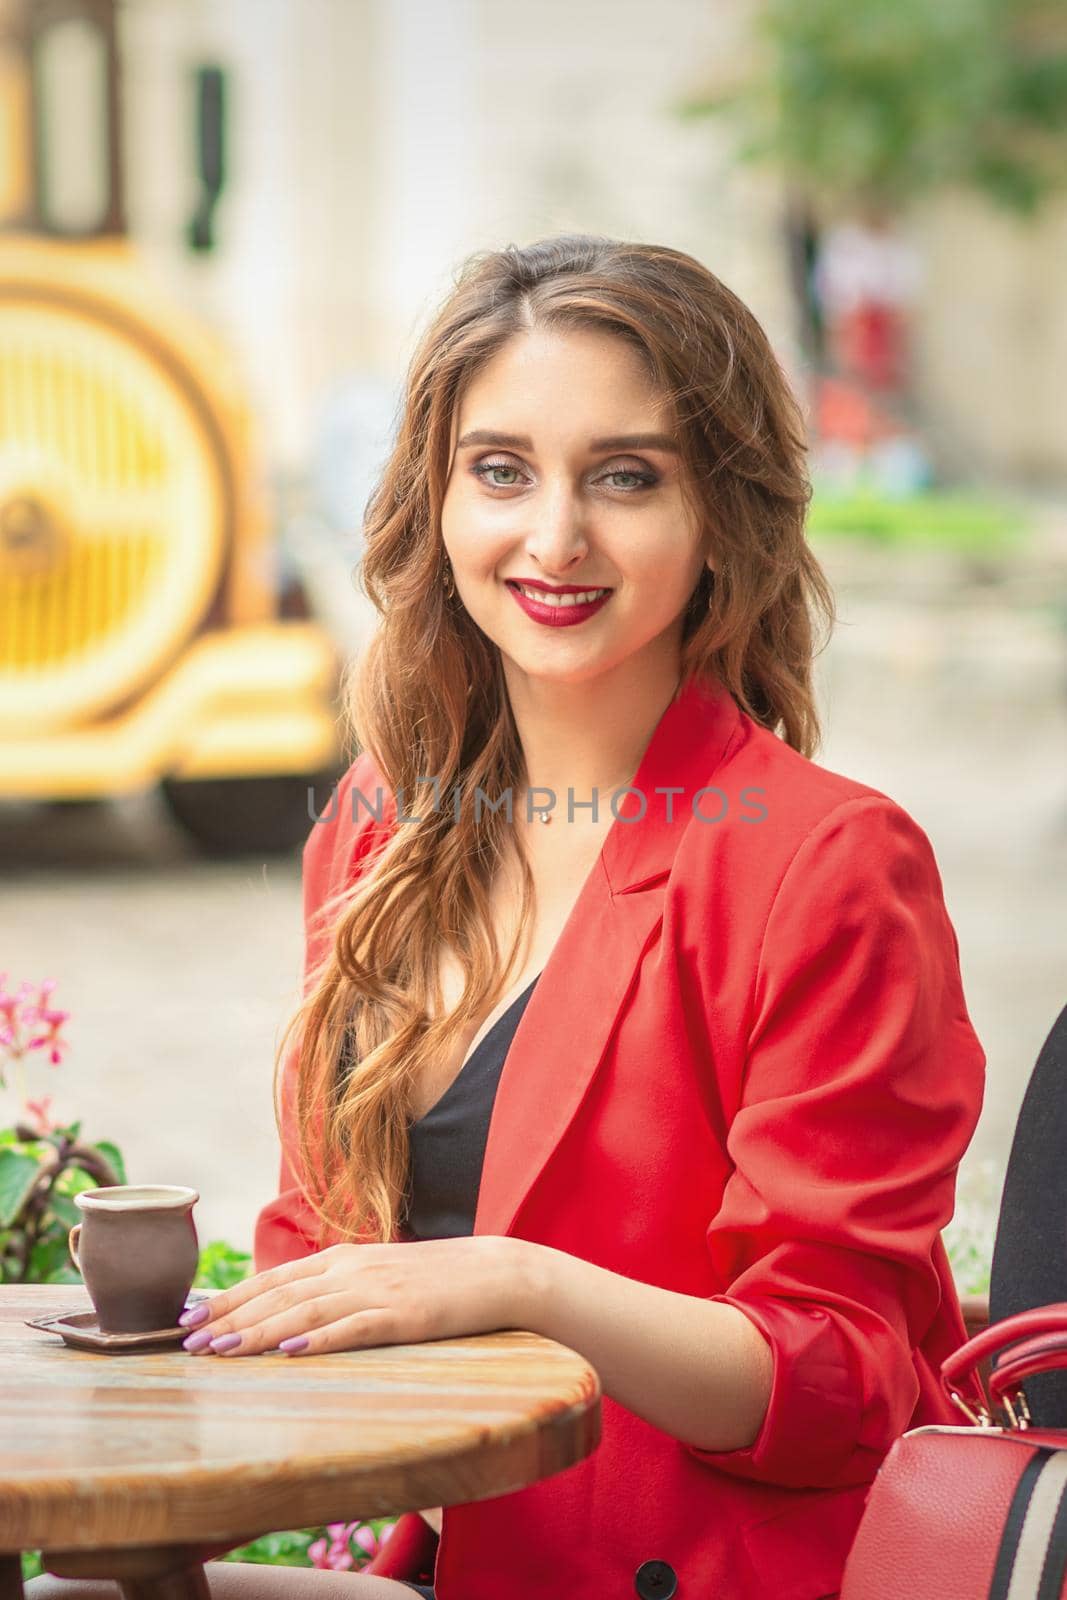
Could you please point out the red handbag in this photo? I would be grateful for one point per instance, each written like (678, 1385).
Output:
(976, 1512)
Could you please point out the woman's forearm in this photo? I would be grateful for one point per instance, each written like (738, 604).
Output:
(699, 1370)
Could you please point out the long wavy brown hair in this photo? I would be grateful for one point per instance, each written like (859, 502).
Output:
(371, 1018)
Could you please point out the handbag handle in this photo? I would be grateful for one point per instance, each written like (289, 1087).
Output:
(1044, 1331)
(1046, 1353)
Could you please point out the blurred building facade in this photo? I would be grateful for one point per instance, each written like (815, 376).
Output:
(374, 143)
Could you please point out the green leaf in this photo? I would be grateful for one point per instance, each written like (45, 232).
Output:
(113, 1157)
(279, 1549)
(64, 1210)
(50, 1260)
(221, 1266)
(18, 1174)
(65, 1274)
(40, 1149)
(75, 1180)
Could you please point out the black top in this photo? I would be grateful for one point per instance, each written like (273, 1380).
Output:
(448, 1143)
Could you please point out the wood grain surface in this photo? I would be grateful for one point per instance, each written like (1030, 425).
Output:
(164, 1447)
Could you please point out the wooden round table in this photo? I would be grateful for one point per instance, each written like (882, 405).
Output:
(140, 1467)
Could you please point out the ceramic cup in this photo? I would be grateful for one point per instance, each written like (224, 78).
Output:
(137, 1250)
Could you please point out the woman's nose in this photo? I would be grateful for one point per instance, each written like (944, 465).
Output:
(557, 535)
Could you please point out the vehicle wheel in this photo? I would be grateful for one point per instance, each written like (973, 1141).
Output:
(248, 816)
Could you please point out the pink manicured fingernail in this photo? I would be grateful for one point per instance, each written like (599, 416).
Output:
(195, 1316)
(225, 1341)
(197, 1341)
(300, 1341)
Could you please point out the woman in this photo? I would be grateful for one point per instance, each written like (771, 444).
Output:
(739, 1071)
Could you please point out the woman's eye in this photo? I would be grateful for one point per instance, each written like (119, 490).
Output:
(484, 468)
(487, 470)
(640, 480)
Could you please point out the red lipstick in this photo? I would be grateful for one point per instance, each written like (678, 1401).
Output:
(557, 615)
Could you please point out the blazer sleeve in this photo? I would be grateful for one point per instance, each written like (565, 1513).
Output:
(287, 1227)
(862, 1086)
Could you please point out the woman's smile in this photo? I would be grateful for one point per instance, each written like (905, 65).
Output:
(558, 608)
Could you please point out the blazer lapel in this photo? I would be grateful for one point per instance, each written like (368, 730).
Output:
(569, 1019)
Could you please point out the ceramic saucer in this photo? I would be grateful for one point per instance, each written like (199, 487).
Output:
(80, 1330)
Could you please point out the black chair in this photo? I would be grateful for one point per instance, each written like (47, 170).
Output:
(1030, 1251)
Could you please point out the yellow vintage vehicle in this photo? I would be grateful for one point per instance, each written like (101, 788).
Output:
(146, 635)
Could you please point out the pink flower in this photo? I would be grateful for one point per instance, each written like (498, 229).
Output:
(51, 1040)
(317, 1554)
(330, 1556)
(366, 1538)
(22, 1012)
(336, 1553)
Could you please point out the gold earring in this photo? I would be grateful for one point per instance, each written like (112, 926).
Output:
(449, 581)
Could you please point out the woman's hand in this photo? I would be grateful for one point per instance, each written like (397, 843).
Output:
(351, 1296)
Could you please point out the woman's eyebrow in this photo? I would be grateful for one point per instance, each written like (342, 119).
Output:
(486, 437)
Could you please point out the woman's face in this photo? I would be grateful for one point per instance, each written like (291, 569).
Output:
(563, 474)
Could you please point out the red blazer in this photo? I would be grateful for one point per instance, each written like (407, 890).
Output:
(747, 1073)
